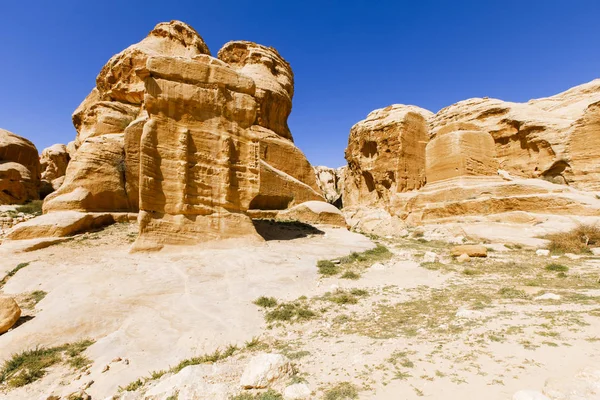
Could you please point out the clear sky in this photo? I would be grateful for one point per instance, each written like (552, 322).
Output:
(348, 57)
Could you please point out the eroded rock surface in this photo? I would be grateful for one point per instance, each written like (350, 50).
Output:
(19, 169)
(53, 163)
(386, 154)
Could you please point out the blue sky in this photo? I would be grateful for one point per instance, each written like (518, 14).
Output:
(348, 57)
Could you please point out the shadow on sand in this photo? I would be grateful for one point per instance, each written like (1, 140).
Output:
(284, 230)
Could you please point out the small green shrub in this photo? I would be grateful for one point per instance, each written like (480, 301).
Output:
(556, 267)
(327, 268)
(266, 302)
(342, 391)
(290, 312)
(512, 293)
(34, 207)
(350, 275)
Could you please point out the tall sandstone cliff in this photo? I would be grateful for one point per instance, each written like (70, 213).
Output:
(191, 141)
(479, 157)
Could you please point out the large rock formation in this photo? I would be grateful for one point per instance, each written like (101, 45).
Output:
(483, 157)
(538, 139)
(386, 155)
(19, 169)
(9, 313)
(191, 141)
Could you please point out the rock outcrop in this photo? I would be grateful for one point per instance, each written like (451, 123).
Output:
(53, 163)
(191, 141)
(331, 183)
(19, 169)
(480, 157)
(9, 313)
(314, 212)
(538, 139)
(386, 155)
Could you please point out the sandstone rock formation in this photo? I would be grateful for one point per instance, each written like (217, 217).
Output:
(331, 182)
(191, 141)
(537, 139)
(53, 163)
(59, 224)
(9, 313)
(482, 157)
(386, 154)
(19, 169)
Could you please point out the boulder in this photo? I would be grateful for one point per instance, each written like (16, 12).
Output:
(189, 383)
(314, 212)
(386, 154)
(59, 224)
(264, 369)
(53, 163)
(19, 169)
(472, 250)
(9, 313)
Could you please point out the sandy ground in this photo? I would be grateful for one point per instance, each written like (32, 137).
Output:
(440, 330)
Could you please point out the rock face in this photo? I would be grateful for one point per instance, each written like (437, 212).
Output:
(331, 181)
(460, 153)
(19, 169)
(190, 141)
(9, 313)
(386, 154)
(53, 163)
(540, 138)
(481, 157)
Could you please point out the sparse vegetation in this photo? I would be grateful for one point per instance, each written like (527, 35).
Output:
(266, 302)
(290, 312)
(133, 386)
(12, 272)
(34, 207)
(577, 240)
(354, 262)
(512, 293)
(342, 391)
(30, 365)
(556, 267)
(268, 395)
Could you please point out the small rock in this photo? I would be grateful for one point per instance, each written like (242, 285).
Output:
(529, 395)
(116, 359)
(463, 258)
(106, 368)
(334, 287)
(554, 257)
(336, 261)
(126, 361)
(263, 369)
(548, 296)
(9, 313)
(470, 314)
(572, 256)
(298, 391)
(542, 252)
(378, 267)
(472, 250)
(430, 257)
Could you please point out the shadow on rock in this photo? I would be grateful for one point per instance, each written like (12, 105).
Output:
(284, 230)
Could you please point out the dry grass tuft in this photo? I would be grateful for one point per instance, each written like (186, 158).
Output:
(576, 241)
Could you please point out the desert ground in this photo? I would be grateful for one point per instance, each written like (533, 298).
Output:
(390, 317)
